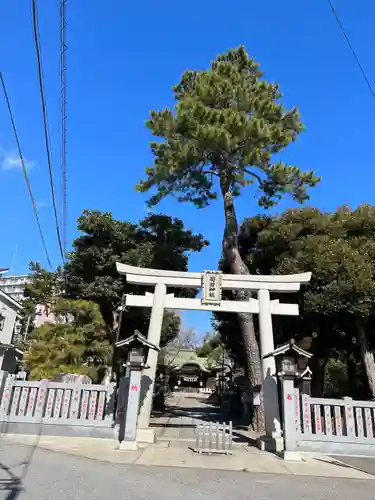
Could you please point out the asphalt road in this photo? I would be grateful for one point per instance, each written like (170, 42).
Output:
(27, 474)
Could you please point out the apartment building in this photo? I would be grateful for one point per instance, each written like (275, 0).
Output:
(14, 286)
(9, 315)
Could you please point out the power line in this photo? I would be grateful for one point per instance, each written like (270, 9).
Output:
(44, 112)
(63, 92)
(361, 69)
(24, 170)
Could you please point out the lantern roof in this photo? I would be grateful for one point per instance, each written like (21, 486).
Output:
(137, 338)
(287, 347)
(306, 374)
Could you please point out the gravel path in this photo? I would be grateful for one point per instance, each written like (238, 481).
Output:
(53, 476)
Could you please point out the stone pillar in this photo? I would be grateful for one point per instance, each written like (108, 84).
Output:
(122, 396)
(154, 331)
(288, 395)
(270, 393)
(131, 417)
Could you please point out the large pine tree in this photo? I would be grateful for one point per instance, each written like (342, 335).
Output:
(221, 136)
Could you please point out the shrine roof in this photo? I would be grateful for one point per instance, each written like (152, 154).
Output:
(177, 358)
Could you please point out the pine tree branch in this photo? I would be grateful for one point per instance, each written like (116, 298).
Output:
(256, 176)
(210, 172)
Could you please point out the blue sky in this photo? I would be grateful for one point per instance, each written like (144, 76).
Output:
(123, 59)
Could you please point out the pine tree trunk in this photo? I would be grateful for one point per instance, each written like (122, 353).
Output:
(352, 378)
(237, 266)
(318, 367)
(367, 357)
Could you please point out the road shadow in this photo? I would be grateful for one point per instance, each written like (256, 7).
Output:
(173, 426)
(11, 484)
(208, 414)
(362, 464)
(334, 462)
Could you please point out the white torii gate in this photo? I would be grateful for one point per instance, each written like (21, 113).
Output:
(212, 283)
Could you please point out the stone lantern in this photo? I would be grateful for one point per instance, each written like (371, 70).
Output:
(288, 359)
(135, 353)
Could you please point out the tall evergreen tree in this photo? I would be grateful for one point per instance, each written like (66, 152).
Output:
(226, 126)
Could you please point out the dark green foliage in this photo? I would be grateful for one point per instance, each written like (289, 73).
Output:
(44, 287)
(77, 343)
(227, 122)
(212, 350)
(210, 343)
(339, 249)
(158, 241)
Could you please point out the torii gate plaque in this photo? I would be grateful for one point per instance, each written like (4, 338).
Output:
(212, 282)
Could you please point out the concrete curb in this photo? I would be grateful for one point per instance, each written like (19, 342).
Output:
(164, 454)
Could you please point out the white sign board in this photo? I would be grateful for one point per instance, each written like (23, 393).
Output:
(211, 284)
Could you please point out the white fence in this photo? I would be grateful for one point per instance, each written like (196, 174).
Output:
(214, 438)
(342, 426)
(55, 403)
(206, 390)
(338, 417)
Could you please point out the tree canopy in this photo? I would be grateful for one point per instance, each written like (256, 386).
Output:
(210, 343)
(158, 241)
(227, 123)
(213, 350)
(77, 343)
(337, 306)
(44, 287)
(339, 248)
